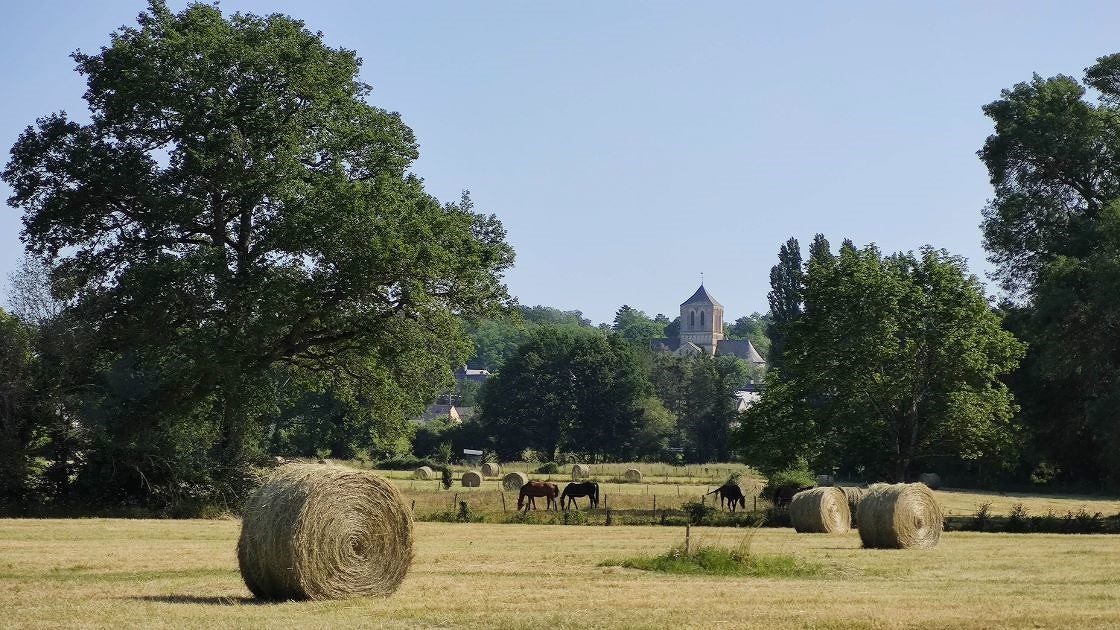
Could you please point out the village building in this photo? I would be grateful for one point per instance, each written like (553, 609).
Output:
(701, 330)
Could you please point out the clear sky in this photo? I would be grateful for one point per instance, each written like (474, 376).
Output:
(630, 146)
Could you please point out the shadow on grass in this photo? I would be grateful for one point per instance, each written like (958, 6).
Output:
(215, 600)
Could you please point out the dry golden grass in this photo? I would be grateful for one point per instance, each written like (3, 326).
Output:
(100, 573)
(966, 502)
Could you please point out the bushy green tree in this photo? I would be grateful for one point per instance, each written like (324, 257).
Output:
(1054, 162)
(567, 388)
(894, 360)
(636, 327)
(234, 207)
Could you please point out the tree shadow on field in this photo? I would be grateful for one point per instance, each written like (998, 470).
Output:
(215, 600)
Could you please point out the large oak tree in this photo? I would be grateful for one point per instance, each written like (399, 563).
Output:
(236, 217)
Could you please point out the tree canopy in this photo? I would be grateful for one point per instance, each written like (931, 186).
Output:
(570, 389)
(235, 215)
(895, 360)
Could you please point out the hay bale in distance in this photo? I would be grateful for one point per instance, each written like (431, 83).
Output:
(580, 471)
(471, 479)
(824, 481)
(491, 470)
(899, 516)
(324, 532)
(514, 480)
(854, 495)
(820, 511)
(632, 475)
(932, 480)
(424, 473)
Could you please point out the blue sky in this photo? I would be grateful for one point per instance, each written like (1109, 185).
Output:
(630, 146)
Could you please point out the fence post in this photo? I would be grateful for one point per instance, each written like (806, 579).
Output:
(503, 501)
(687, 536)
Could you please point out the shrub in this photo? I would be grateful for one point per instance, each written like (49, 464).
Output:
(698, 512)
(548, 468)
(983, 517)
(1017, 519)
(713, 560)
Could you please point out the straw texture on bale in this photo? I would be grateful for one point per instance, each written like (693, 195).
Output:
(514, 480)
(899, 516)
(933, 480)
(632, 474)
(471, 479)
(581, 471)
(424, 473)
(820, 511)
(854, 495)
(324, 532)
(491, 470)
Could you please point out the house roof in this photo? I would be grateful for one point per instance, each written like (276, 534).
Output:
(702, 297)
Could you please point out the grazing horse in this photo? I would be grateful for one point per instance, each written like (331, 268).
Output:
(588, 489)
(731, 494)
(538, 489)
(784, 494)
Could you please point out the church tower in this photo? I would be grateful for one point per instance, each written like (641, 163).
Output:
(702, 321)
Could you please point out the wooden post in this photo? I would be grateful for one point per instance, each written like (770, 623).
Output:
(687, 536)
(455, 501)
(414, 506)
(756, 504)
(503, 501)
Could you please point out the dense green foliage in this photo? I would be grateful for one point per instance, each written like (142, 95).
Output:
(1052, 231)
(894, 361)
(568, 389)
(497, 338)
(235, 231)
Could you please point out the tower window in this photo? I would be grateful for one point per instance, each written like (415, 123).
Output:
(701, 318)
(691, 319)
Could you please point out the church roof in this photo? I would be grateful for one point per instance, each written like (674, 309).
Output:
(741, 348)
(702, 297)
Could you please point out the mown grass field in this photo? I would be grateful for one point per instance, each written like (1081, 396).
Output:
(146, 573)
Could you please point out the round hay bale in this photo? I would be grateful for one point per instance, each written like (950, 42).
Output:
(278, 461)
(932, 480)
(514, 480)
(424, 473)
(899, 516)
(324, 532)
(491, 470)
(632, 475)
(581, 471)
(471, 479)
(854, 495)
(820, 511)
(824, 481)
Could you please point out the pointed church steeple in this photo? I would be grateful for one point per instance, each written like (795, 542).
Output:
(702, 320)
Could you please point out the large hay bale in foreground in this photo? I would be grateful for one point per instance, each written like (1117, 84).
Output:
(324, 532)
(820, 511)
(632, 475)
(899, 516)
(581, 471)
(854, 495)
(491, 470)
(933, 480)
(514, 480)
(471, 479)
(424, 473)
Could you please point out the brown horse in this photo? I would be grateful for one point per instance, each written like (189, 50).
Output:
(539, 489)
(731, 494)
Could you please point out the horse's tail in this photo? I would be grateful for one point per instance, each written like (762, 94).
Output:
(595, 492)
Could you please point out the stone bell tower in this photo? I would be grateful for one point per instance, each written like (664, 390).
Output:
(702, 321)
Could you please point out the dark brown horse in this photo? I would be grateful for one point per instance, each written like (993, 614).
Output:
(731, 494)
(588, 489)
(538, 489)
